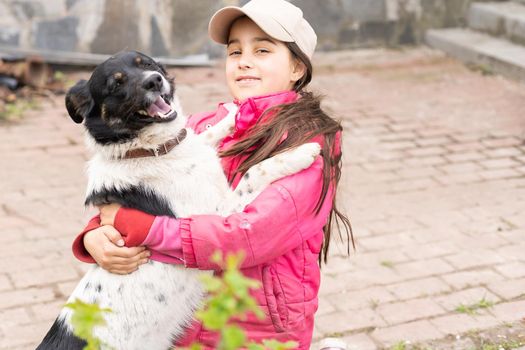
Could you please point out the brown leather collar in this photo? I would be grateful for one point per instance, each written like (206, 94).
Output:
(161, 150)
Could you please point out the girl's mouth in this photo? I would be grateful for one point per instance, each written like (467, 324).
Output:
(247, 81)
(247, 78)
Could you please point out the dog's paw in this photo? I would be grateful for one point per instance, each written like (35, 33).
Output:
(302, 156)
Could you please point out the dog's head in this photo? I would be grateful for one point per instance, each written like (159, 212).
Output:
(125, 94)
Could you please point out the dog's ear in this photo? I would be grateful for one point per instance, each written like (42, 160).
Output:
(79, 101)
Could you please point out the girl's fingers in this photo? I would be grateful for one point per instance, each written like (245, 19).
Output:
(113, 235)
(123, 268)
(124, 265)
(126, 261)
(124, 252)
(108, 213)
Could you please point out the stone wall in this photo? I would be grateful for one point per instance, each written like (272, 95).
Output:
(178, 27)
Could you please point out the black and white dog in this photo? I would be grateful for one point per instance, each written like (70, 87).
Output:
(145, 158)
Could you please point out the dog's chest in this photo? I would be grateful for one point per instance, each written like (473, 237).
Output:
(190, 178)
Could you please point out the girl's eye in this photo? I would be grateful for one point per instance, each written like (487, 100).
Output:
(263, 51)
(235, 52)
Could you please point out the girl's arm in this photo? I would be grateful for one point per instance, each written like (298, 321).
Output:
(281, 218)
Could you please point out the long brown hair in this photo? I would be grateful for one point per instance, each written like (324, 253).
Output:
(300, 121)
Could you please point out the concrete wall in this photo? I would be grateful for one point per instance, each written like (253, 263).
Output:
(178, 27)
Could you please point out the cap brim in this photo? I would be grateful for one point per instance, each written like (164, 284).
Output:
(222, 20)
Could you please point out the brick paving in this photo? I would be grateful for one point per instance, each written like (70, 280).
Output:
(434, 161)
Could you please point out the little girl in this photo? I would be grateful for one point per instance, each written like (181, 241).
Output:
(285, 231)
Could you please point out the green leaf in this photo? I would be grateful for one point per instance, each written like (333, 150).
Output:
(255, 346)
(213, 319)
(211, 283)
(217, 257)
(232, 338)
(84, 318)
(276, 345)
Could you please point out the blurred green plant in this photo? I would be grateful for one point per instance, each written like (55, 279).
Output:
(15, 110)
(84, 319)
(229, 298)
(473, 308)
(401, 345)
(64, 79)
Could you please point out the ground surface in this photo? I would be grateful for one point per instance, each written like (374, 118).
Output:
(434, 185)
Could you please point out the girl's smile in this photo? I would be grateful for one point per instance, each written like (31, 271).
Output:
(247, 80)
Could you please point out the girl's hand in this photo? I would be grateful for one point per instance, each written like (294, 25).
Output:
(105, 245)
(108, 213)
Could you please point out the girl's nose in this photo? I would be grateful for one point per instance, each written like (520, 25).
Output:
(245, 62)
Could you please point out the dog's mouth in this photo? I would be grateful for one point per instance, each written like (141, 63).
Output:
(160, 110)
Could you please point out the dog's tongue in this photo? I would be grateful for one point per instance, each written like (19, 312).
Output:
(159, 106)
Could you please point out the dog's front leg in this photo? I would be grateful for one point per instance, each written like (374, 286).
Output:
(261, 175)
(216, 133)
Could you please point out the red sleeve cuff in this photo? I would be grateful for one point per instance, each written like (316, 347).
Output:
(79, 250)
(133, 225)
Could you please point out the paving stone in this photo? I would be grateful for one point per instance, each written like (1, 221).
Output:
(512, 270)
(503, 152)
(412, 331)
(15, 316)
(499, 174)
(509, 311)
(340, 322)
(369, 297)
(464, 156)
(499, 163)
(427, 151)
(421, 161)
(418, 269)
(25, 297)
(465, 146)
(47, 312)
(410, 310)
(462, 323)
(31, 334)
(432, 249)
(458, 178)
(360, 341)
(465, 297)
(43, 276)
(470, 259)
(5, 283)
(419, 288)
(502, 142)
(465, 167)
(509, 289)
(466, 279)
(408, 173)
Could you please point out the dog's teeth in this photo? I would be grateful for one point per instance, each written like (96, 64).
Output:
(143, 112)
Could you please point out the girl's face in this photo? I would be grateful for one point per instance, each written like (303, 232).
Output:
(258, 64)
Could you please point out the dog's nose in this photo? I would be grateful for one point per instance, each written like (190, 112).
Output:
(153, 82)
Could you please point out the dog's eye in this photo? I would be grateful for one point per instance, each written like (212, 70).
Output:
(116, 81)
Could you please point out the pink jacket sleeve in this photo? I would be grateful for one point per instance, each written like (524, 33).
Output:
(281, 218)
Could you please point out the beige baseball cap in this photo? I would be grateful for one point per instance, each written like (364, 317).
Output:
(278, 18)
